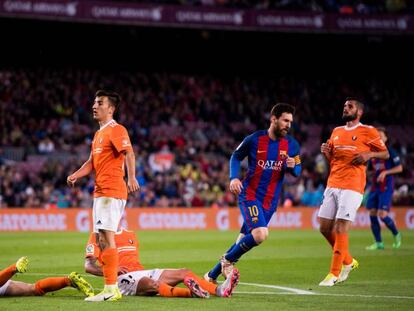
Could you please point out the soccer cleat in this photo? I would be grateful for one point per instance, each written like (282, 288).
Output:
(329, 280)
(81, 284)
(346, 269)
(226, 267)
(227, 287)
(397, 240)
(22, 264)
(209, 279)
(375, 246)
(195, 288)
(106, 295)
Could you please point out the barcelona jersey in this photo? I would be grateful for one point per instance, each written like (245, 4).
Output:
(382, 165)
(266, 167)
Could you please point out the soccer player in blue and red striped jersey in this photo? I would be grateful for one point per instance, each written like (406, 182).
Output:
(380, 196)
(271, 153)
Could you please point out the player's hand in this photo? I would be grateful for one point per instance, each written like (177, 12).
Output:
(290, 162)
(236, 186)
(361, 158)
(381, 176)
(122, 270)
(133, 185)
(71, 180)
(326, 148)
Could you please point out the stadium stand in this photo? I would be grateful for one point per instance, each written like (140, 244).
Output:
(185, 127)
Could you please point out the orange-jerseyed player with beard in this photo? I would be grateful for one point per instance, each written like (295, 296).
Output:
(134, 280)
(111, 148)
(348, 150)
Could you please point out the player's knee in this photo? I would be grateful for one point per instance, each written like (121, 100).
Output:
(325, 230)
(382, 214)
(373, 212)
(184, 272)
(260, 235)
(147, 287)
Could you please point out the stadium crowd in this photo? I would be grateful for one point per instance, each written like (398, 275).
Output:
(333, 6)
(184, 128)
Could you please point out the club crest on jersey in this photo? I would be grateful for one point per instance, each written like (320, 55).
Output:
(283, 154)
(255, 220)
(130, 241)
(354, 138)
(100, 140)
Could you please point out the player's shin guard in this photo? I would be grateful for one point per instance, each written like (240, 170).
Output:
(339, 252)
(166, 290)
(51, 284)
(331, 238)
(216, 271)
(390, 224)
(375, 228)
(244, 245)
(110, 265)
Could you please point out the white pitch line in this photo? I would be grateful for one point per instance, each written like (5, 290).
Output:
(288, 289)
(326, 294)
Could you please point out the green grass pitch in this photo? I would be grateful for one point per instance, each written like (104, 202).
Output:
(271, 274)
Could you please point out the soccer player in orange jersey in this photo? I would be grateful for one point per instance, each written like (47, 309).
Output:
(111, 148)
(12, 288)
(348, 150)
(133, 280)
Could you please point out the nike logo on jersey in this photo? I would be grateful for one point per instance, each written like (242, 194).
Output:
(336, 138)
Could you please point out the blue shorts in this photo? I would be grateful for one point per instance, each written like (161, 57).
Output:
(379, 200)
(254, 215)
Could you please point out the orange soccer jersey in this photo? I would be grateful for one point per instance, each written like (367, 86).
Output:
(345, 143)
(127, 246)
(108, 158)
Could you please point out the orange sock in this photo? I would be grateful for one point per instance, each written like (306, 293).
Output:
(7, 274)
(331, 239)
(51, 284)
(166, 290)
(110, 265)
(339, 251)
(208, 286)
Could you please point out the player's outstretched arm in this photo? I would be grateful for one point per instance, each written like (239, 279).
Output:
(84, 170)
(91, 266)
(130, 164)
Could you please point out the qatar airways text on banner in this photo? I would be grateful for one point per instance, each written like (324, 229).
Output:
(50, 8)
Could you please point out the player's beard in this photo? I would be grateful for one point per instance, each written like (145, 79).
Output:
(349, 117)
(278, 132)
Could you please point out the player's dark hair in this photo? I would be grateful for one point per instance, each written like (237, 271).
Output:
(113, 97)
(359, 103)
(280, 108)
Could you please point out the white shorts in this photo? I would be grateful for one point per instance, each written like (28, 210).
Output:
(4, 288)
(128, 282)
(340, 204)
(107, 213)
